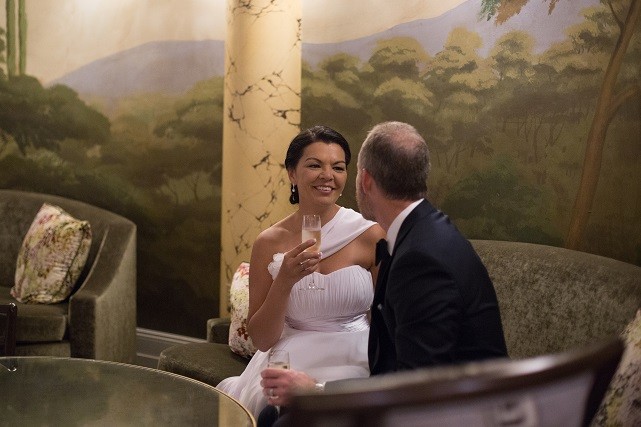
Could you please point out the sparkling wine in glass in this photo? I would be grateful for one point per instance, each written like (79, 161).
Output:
(312, 230)
(278, 359)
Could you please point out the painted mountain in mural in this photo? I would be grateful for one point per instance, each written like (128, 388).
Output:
(169, 67)
(173, 67)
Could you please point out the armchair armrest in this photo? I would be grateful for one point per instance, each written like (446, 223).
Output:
(102, 312)
(218, 330)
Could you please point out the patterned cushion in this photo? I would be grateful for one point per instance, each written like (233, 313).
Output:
(239, 341)
(52, 255)
(622, 403)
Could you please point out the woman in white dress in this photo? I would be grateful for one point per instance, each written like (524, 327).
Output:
(324, 330)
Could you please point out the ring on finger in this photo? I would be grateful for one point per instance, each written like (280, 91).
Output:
(271, 392)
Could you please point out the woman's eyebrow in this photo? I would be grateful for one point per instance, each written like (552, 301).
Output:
(318, 160)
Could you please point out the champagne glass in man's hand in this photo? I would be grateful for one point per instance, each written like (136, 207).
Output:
(277, 359)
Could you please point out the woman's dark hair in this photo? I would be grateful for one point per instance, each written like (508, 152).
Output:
(309, 136)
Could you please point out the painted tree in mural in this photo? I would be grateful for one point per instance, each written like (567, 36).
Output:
(625, 16)
(535, 110)
(333, 91)
(394, 72)
(16, 60)
(459, 80)
(33, 117)
(11, 37)
(22, 36)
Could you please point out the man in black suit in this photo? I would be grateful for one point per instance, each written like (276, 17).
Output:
(434, 303)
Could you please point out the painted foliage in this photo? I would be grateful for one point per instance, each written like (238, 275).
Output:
(533, 138)
(531, 110)
(137, 131)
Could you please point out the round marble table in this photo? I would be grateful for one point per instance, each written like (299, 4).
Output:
(81, 392)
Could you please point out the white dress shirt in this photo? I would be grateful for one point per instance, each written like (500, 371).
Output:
(394, 228)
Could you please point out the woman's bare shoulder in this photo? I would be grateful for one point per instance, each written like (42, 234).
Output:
(274, 236)
(268, 243)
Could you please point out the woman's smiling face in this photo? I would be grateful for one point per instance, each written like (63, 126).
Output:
(320, 174)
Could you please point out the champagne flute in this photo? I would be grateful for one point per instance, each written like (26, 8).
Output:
(312, 230)
(277, 359)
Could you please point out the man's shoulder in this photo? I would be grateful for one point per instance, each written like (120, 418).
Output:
(433, 225)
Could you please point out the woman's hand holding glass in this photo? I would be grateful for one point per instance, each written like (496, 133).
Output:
(298, 263)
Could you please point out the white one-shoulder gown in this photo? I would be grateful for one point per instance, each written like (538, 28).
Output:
(325, 331)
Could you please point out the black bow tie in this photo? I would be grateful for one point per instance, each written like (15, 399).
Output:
(381, 251)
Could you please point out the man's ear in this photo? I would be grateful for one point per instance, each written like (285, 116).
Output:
(366, 181)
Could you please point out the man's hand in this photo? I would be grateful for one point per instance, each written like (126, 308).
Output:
(280, 384)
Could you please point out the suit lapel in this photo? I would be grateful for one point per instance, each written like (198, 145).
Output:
(378, 335)
(381, 345)
(424, 208)
(381, 281)
(378, 331)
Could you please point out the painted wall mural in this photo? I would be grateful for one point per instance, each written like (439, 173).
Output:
(531, 109)
(120, 105)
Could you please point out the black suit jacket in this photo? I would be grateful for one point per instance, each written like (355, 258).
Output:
(434, 302)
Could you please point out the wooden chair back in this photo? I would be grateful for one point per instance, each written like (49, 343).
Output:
(558, 389)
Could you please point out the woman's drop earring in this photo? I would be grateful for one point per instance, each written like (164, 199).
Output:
(293, 198)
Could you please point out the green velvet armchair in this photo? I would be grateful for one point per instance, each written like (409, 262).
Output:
(98, 321)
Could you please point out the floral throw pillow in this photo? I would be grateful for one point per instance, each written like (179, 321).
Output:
(622, 403)
(52, 255)
(239, 341)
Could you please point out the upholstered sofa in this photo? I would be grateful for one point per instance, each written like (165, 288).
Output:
(98, 320)
(551, 299)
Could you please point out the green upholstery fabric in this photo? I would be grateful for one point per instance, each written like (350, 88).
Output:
(38, 322)
(98, 321)
(554, 299)
(218, 330)
(209, 362)
(206, 362)
(53, 349)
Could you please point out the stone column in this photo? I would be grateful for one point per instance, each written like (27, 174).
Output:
(262, 115)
